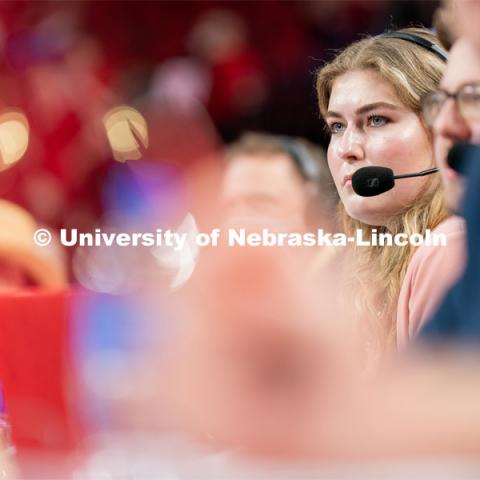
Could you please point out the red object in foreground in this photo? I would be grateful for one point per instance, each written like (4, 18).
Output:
(34, 369)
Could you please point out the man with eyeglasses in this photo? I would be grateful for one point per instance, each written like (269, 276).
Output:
(453, 112)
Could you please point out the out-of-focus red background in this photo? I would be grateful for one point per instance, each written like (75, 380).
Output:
(249, 64)
(200, 73)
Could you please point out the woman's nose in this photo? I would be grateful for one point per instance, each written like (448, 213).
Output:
(350, 147)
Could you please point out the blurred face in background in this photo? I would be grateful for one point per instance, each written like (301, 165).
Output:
(369, 125)
(264, 191)
(450, 126)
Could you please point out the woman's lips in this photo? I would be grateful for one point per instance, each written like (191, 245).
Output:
(347, 181)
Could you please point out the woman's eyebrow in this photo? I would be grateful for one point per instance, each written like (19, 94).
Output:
(333, 114)
(374, 106)
(365, 108)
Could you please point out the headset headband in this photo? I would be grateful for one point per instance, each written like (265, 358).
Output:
(417, 39)
(308, 167)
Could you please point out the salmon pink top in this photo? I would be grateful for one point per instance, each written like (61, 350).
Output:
(430, 273)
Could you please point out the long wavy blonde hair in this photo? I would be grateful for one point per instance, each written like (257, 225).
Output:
(379, 271)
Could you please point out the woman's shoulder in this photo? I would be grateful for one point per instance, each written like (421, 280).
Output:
(446, 236)
(452, 225)
(446, 242)
(433, 269)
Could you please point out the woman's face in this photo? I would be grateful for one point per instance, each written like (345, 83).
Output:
(369, 125)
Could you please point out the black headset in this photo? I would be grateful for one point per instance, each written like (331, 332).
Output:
(307, 166)
(311, 171)
(418, 40)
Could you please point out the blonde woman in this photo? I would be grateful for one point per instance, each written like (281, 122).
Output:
(370, 98)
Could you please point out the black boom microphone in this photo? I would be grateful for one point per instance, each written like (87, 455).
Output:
(371, 181)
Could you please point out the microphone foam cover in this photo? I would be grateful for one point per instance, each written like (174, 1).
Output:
(371, 181)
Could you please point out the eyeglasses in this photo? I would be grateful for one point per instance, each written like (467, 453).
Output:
(467, 100)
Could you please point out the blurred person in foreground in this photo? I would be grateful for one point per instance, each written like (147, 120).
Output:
(454, 114)
(255, 367)
(22, 262)
(253, 357)
(453, 110)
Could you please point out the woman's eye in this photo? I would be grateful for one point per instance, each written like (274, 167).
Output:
(377, 121)
(335, 127)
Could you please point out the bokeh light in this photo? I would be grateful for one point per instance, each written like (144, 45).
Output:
(127, 133)
(14, 136)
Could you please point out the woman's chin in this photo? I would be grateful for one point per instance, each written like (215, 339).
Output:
(370, 215)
